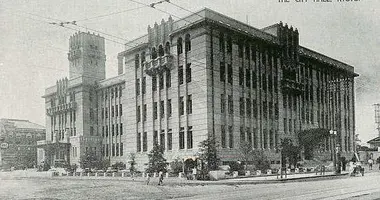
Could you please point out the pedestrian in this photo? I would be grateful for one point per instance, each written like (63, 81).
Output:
(160, 178)
(194, 173)
(147, 178)
(370, 163)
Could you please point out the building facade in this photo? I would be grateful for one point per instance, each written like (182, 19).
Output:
(18, 140)
(209, 75)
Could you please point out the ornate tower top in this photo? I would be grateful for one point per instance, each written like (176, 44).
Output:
(87, 56)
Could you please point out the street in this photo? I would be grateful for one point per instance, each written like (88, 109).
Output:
(367, 187)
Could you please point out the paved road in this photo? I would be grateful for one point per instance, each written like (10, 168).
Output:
(367, 187)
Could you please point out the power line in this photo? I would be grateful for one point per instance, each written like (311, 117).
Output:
(109, 14)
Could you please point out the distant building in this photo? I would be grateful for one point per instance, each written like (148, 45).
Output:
(183, 81)
(18, 140)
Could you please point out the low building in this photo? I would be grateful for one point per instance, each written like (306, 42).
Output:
(18, 140)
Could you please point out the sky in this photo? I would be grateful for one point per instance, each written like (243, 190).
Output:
(33, 53)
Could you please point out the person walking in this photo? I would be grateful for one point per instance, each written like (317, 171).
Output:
(160, 178)
(147, 178)
(370, 163)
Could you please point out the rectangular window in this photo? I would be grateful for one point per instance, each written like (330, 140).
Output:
(181, 106)
(144, 85)
(242, 135)
(229, 44)
(168, 79)
(116, 110)
(240, 50)
(154, 110)
(241, 76)
(162, 109)
(188, 72)
(121, 149)
(116, 92)
(161, 81)
(222, 103)
(222, 72)
(162, 138)
(169, 108)
(137, 86)
(189, 137)
(231, 137)
(112, 111)
(247, 78)
(121, 110)
(155, 137)
(221, 42)
(170, 139)
(113, 130)
(102, 131)
(107, 149)
(249, 135)
(72, 119)
(121, 128)
(181, 138)
(145, 142)
(248, 107)
(138, 114)
(180, 75)
(230, 104)
(223, 136)
(117, 149)
(138, 142)
(91, 130)
(189, 104)
(120, 92)
(154, 83)
(144, 113)
(106, 130)
(230, 75)
(241, 106)
(113, 149)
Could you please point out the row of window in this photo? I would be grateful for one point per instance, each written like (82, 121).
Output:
(115, 111)
(113, 91)
(115, 129)
(189, 108)
(161, 80)
(116, 149)
(142, 140)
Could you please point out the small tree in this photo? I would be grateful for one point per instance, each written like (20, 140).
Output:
(119, 166)
(208, 153)
(91, 160)
(290, 151)
(260, 160)
(311, 138)
(132, 163)
(157, 162)
(176, 166)
(246, 152)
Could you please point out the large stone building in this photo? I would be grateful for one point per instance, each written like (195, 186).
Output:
(204, 75)
(18, 140)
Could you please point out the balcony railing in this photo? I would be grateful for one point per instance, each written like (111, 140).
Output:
(292, 86)
(159, 64)
(61, 108)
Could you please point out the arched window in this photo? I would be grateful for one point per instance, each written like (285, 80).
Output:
(187, 43)
(154, 53)
(179, 46)
(160, 51)
(167, 48)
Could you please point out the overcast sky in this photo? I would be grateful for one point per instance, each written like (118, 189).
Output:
(33, 54)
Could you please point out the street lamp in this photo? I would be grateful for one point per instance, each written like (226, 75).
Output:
(332, 145)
